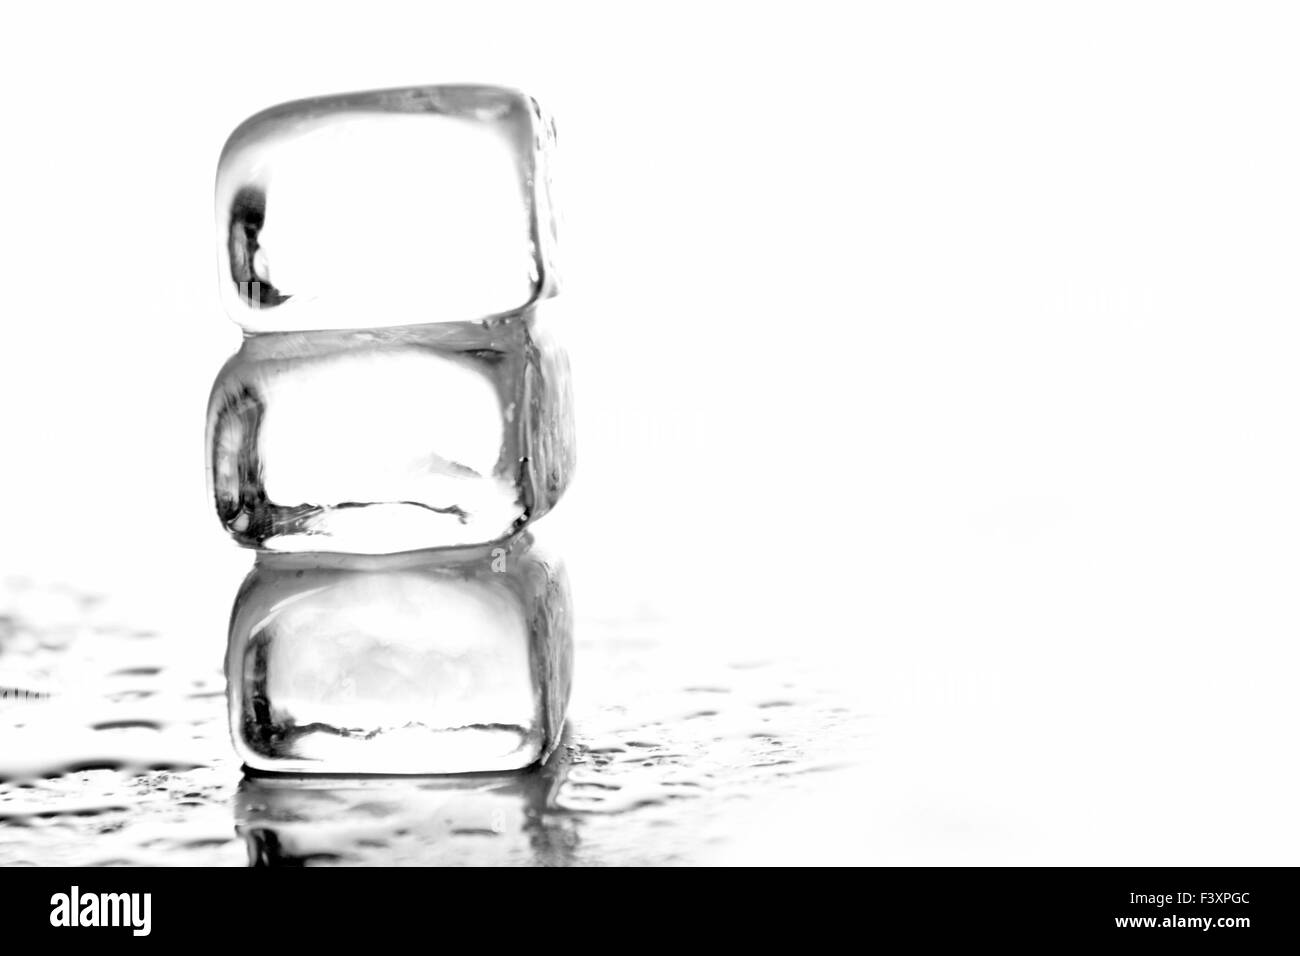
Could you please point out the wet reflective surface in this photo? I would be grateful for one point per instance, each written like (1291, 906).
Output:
(114, 751)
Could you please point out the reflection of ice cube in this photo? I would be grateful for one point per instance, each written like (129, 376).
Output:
(291, 820)
(430, 662)
(390, 440)
(392, 207)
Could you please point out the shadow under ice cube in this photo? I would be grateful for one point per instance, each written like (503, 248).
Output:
(415, 663)
(388, 440)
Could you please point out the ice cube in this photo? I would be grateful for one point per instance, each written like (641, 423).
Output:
(384, 208)
(431, 662)
(390, 440)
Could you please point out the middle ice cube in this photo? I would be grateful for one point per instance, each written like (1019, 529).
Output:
(386, 440)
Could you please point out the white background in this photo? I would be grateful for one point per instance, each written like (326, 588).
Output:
(954, 344)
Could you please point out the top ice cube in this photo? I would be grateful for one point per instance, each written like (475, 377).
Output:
(385, 208)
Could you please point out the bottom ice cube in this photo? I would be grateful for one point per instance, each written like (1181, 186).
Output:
(425, 662)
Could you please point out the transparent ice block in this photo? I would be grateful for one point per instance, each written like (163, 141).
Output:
(432, 662)
(384, 208)
(388, 440)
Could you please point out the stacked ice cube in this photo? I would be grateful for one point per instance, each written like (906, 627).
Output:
(398, 415)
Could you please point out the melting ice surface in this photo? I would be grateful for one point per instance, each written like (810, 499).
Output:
(114, 751)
